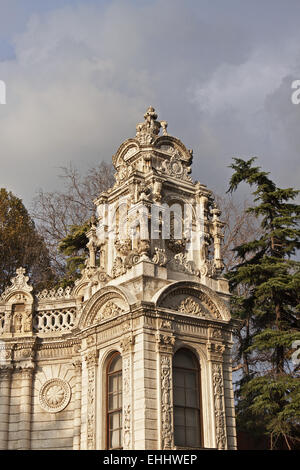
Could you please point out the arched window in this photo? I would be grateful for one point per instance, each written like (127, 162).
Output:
(187, 402)
(114, 402)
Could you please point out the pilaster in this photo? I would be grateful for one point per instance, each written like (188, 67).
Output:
(5, 384)
(165, 346)
(126, 345)
(215, 350)
(91, 359)
(26, 371)
(77, 364)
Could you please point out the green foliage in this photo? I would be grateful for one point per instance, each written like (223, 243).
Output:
(73, 246)
(273, 407)
(20, 244)
(266, 288)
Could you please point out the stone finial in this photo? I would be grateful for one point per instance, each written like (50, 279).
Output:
(150, 128)
(19, 282)
(150, 116)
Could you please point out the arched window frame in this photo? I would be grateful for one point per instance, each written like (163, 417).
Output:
(198, 392)
(117, 410)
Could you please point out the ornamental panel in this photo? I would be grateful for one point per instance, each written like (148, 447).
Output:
(55, 395)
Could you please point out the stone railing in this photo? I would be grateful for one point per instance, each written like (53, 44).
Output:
(54, 321)
(54, 294)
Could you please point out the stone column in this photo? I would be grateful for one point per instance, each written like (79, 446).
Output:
(165, 345)
(77, 405)
(215, 352)
(25, 406)
(5, 384)
(91, 359)
(126, 344)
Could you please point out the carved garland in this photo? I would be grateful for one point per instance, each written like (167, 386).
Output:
(126, 404)
(91, 359)
(166, 402)
(219, 406)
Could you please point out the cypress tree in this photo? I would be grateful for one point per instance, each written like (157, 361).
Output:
(266, 298)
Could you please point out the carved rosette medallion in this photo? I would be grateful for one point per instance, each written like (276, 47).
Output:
(55, 395)
(217, 375)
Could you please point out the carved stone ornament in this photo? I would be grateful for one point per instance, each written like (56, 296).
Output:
(164, 339)
(110, 310)
(208, 303)
(20, 281)
(118, 267)
(191, 307)
(165, 324)
(5, 355)
(176, 168)
(124, 171)
(55, 294)
(166, 402)
(159, 257)
(127, 415)
(55, 395)
(180, 263)
(92, 275)
(221, 440)
(177, 245)
(126, 425)
(126, 343)
(148, 130)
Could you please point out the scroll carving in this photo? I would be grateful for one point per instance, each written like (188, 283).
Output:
(191, 307)
(166, 402)
(127, 401)
(221, 440)
(91, 360)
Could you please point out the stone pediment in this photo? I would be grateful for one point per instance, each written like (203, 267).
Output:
(107, 303)
(190, 298)
(19, 290)
(171, 145)
(128, 149)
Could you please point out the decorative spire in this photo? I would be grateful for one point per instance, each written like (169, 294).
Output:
(149, 129)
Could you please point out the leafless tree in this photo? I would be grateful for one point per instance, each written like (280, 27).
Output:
(240, 227)
(55, 212)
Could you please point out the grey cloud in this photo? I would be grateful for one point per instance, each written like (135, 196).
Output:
(83, 76)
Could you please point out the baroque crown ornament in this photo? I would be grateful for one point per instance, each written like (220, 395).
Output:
(149, 129)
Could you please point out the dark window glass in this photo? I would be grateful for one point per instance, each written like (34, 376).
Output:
(114, 403)
(186, 395)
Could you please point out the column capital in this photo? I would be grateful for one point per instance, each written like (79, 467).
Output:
(165, 342)
(77, 364)
(91, 358)
(6, 370)
(215, 351)
(126, 343)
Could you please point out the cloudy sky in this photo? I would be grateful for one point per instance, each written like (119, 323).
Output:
(80, 74)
